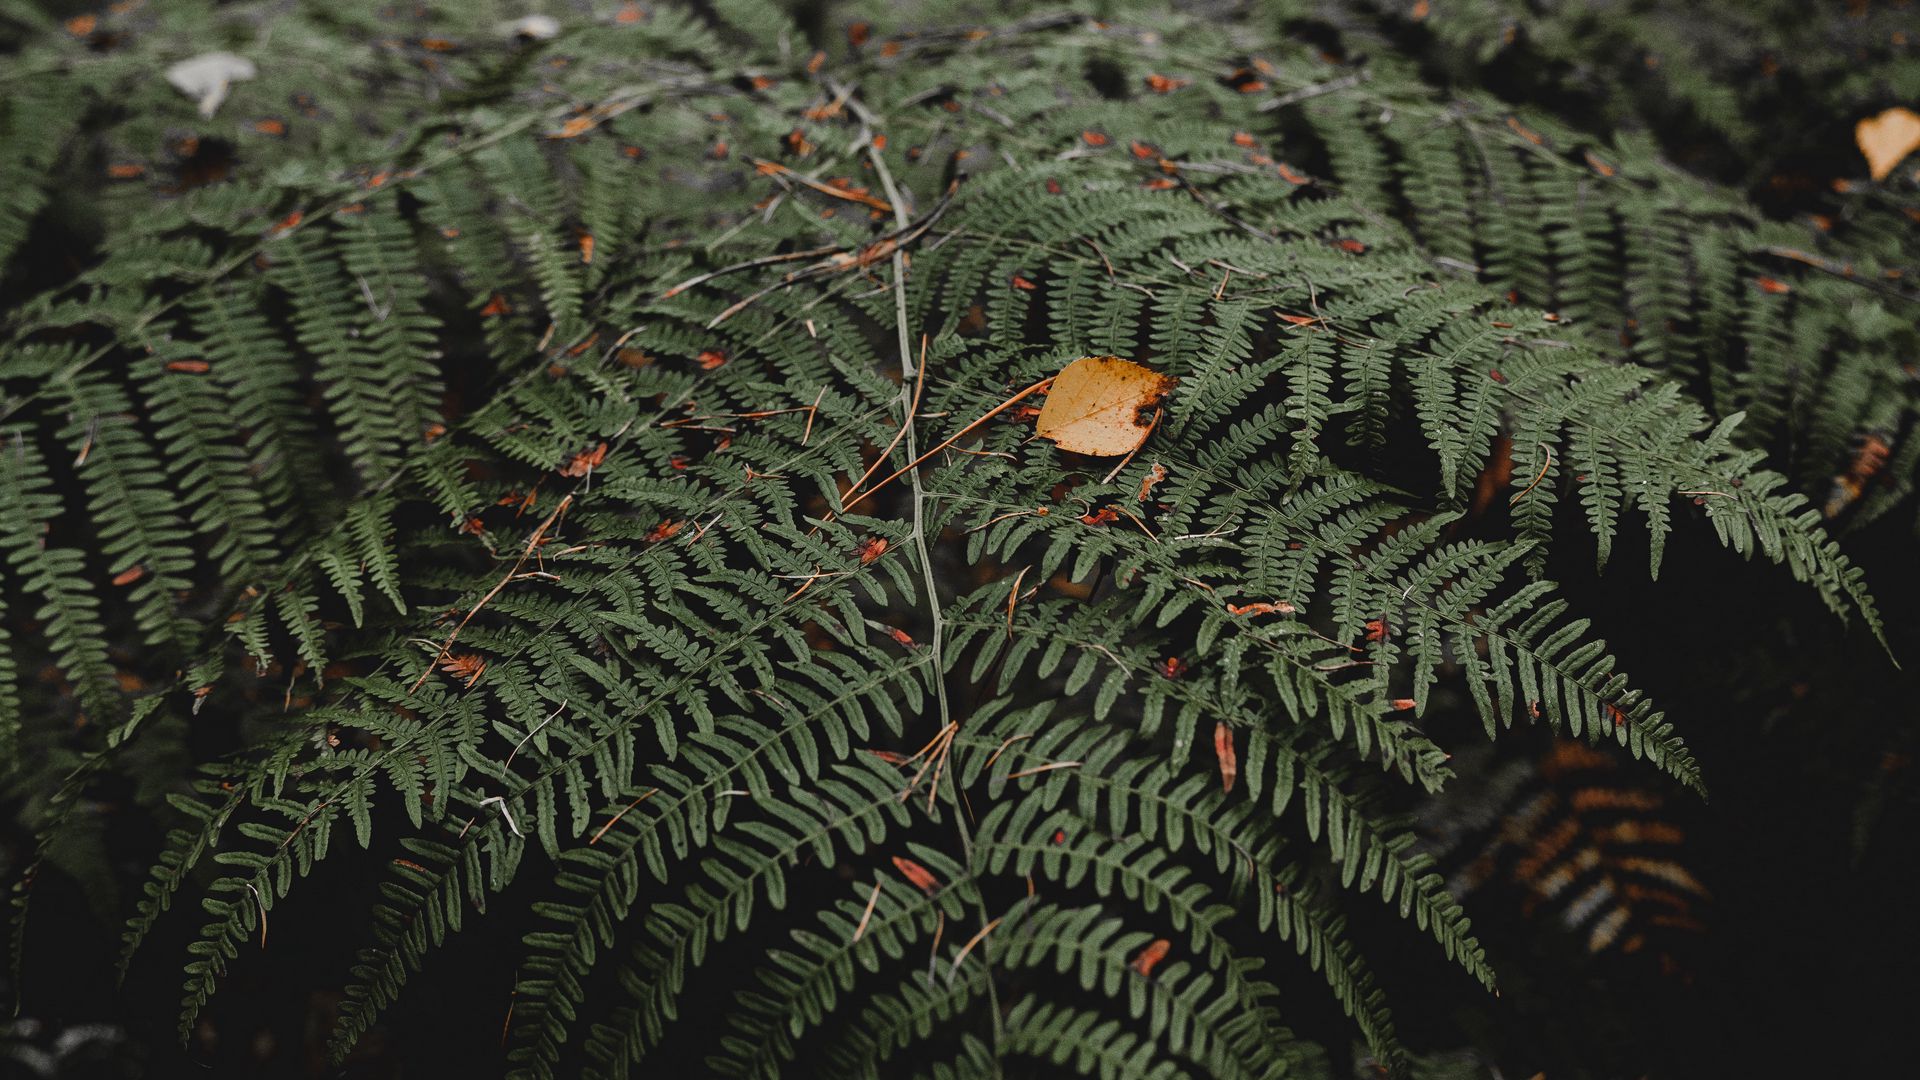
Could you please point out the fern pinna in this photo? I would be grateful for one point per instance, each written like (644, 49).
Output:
(492, 464)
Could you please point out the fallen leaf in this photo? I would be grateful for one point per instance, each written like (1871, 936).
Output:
(1106, 515)
(1151, 955)
(871, 548)
(1223, 749)
(1276, 607)
(207, 77)
(1101, 405)
(531, 27)
(585, 461)
(921, 877)
(1886, 139)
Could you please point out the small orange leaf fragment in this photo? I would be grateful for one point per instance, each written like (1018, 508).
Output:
(130, 575)
(1772, 285)
(1223, 749)
(1886, 139)
(1262, 607)
(1164, 84)
(1243, 139)
(871, 548)
(497, 305)
(1154, 475)
(585, 461)
(189, 367)
(1102, 405)
(1106, 515)
(711, 358)
(1022, 283)
(666, 530)
(1150, 956)
(1093, 138)
(921, 877)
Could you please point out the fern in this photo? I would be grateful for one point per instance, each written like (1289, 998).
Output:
(506, 443)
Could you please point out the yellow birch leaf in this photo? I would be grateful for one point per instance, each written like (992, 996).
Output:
(1887, 138)
(1102, 405)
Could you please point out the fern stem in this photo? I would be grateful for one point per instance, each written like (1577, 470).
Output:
(909, 377)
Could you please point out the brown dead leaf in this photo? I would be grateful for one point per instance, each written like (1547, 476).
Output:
(1151, 956)
(920, 876)
(1102, 405)
(1887, 138)
(1261, 607)
(585, 461)
(1223, 749)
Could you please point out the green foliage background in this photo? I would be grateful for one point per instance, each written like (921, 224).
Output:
(437, 635)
